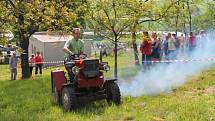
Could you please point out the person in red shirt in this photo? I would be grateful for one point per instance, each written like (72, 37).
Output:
(39, 62)
(192, 41)
(146, 50)
(31, 63)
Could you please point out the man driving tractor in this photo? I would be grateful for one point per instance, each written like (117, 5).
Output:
(73, 47)
(86, 78)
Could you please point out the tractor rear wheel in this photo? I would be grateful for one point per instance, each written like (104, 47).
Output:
(113, 93)
(69, 99)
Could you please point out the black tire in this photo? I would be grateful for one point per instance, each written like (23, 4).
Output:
(69, 99)
(56, 97)
(113, 93)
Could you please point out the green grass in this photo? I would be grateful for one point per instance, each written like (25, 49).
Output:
(31, 100)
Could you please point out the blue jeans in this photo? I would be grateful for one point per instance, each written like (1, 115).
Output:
(71, 77)
(172, 54)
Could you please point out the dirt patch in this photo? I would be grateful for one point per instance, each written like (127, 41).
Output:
(157, 119)
(209, 91)
(128, 118)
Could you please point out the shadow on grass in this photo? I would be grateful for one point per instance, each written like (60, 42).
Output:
(87, 109)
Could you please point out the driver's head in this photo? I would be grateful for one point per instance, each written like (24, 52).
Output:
(76, 33)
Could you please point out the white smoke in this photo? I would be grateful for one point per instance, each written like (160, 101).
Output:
(163, 78)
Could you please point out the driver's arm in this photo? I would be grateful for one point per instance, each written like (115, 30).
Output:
(82, 55)
(82, 48)
(66, 48)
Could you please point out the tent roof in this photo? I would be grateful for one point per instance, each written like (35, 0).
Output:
(51, 36)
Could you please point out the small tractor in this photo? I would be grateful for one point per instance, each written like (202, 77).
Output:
(86, 83)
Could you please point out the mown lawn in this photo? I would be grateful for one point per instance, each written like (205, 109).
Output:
(31, 100)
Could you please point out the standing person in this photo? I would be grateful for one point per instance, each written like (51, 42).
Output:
(200, 37)
(73, 46)
(13, 66)
(104, 50)
(176, 39)
(171, 46)
(31, 63)
(146, 50)
(165, 46)
(192, 42)
(181, 44)
(39, 63)
(155, 47)
(159, 48)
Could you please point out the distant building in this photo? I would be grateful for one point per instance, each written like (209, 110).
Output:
(50, 45)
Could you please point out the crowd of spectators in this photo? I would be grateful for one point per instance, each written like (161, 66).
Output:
(167, 46)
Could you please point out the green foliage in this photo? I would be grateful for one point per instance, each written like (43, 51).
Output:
(205, 19)
(109, 17)
(27, 17)
(40, 15)
(60, 16)
(201, 12)
(104, 15)
(3, 41)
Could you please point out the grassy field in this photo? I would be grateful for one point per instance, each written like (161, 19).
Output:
(31, 100)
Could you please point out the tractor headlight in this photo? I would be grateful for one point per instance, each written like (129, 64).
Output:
(75, 70)
(106, 67)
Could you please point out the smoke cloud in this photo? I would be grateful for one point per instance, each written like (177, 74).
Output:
(163, 77)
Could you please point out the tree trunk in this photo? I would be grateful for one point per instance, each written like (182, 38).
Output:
(184, 21)
(190, 17)
(24, 42)
(135, 48)
(177, 17)
(115, 59)
(24, 60)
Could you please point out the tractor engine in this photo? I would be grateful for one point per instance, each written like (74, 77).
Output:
(91, 68)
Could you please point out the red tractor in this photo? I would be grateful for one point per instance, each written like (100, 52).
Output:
(86, 83)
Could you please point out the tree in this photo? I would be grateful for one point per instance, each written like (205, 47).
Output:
(205, 17)
(4, 16)
(109, 19)
(142, 12)
(113, 17)
(190, 16)
(28, 17)
(139, 12)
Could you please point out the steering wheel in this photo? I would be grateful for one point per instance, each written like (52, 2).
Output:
(78, 56)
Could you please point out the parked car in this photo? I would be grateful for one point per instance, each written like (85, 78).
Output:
(2, 48)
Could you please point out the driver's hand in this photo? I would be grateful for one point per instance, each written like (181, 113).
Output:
(82, 56)
(71, 53)
(76, 56)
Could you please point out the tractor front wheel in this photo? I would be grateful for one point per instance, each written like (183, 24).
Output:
(113, 93)
(69, 99)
